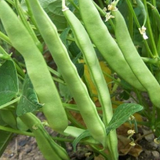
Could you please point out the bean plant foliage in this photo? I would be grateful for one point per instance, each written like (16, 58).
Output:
(94, 97)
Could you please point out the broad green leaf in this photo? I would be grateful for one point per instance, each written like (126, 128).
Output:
(54, 10)
(8, 82)
(4, 140)
(28, 101)
(56, 15)
(45, 3)
(122, 114)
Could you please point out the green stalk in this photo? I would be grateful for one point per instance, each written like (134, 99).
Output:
(139, 26)
(9, 103)
(130, 25)
(154, 2)
(74, 121)
(27, 25)
(75, 6)
(150, 33)
(101, 3)
(150, 60)
(16, 131)
(5, 38)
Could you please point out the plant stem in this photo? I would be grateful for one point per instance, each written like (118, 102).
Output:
(16, 131)
(5, 38)
(101, 3)
(139, 26)
(150, 33)
(9, 103)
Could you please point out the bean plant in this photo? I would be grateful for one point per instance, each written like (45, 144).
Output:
(76, 63)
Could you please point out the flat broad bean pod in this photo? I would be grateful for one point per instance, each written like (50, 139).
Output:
(9, 118)
(134, 60)
(36, 68)
(69, 72)
(46, 144)
(85, 45)
(107, 46)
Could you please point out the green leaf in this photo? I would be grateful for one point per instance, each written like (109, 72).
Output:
(80, 68)
(4, 140)
(56, 15)
(64, 36)
(28, 101)
(8, 82)
(74, 50)
(45, 3)
(79, 138)
(122, 114)
(64, 92)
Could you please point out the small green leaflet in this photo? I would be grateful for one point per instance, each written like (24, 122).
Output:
(79, 138)
(64, 36)
(8, 82)
(122, 114)
(28, 101)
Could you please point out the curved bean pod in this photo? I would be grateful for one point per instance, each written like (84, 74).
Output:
(91, 60)
(85, 45)
(69, 72)
(46, 144)
(36, 68)
(101, 37)
(134, 60)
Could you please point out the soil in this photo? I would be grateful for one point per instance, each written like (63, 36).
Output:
(25, 148)
(144, 147)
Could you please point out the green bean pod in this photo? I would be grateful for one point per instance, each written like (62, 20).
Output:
(69, 72)
(36, 68)
(85, 45)
(46, 144)
(9, 118)
(107, 46)
(134, 60)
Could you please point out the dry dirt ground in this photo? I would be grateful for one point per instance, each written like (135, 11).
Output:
(25, 148)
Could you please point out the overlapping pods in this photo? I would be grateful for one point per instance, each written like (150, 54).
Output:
(84, 43)
(134, 60)
(68, 70)
(36, 68)
(107, 46)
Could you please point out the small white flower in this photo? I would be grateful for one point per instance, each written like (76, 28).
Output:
(143, 32)
(108, 16)
(105, 9)
(132, 144)
(112, 7)
(157, 141)
(130, 132)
